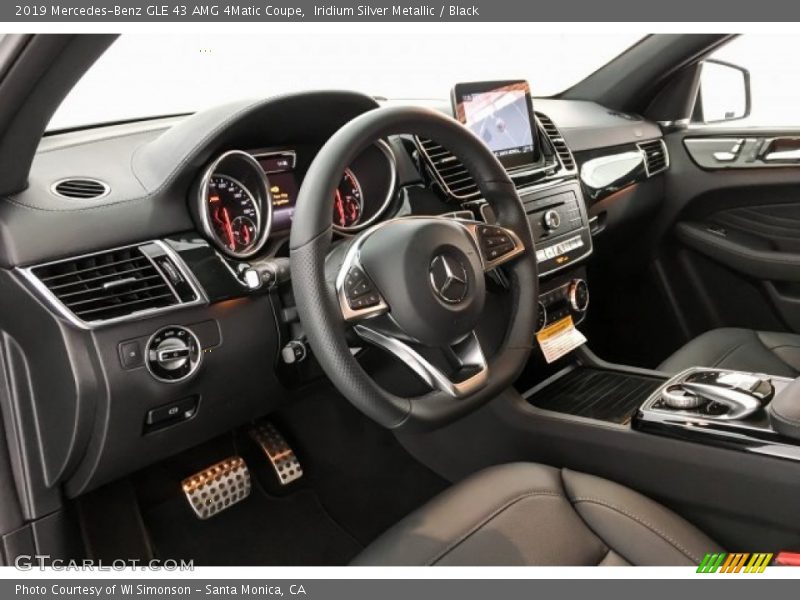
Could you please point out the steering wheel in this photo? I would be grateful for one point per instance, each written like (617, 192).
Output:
(413, 282)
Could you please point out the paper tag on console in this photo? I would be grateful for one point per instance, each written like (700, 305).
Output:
(559, 339)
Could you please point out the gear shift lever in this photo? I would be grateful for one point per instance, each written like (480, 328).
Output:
(741, 393)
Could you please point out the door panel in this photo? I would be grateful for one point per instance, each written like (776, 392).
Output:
(730, 228)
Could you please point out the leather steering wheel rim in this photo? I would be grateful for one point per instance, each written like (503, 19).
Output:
(319, 310)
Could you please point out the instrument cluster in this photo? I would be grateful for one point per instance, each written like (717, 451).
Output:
(245, 196)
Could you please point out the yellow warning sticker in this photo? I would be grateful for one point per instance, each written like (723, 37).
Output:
(559, 339)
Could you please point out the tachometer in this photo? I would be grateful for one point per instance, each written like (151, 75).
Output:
(349, 203)
(234, 205)
(234, 213)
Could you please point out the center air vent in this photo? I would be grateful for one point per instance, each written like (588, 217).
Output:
(557, 140)
(82, 189)
(107, 285)
(449, 172)
(656, 158)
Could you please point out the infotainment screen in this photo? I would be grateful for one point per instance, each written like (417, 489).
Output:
(501, 114)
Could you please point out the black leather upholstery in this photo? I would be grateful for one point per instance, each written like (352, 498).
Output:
(529, 514)
(740, 349)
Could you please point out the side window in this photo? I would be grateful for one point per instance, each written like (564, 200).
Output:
(771, 65)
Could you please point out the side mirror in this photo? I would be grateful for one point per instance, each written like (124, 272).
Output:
(723, 93)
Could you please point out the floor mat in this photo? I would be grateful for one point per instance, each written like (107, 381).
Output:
(363, 476)
(261, 530)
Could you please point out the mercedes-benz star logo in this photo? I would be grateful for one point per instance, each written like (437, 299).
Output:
(449, 279)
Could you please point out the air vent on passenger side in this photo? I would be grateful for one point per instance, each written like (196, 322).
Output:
(82, 189)
(557, 140)
(107, 285)
(656, 158)
(448, 171)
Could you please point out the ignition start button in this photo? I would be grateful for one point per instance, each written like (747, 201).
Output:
(173, 354)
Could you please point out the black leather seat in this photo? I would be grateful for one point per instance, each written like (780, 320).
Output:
(529, 514)
(742, 350)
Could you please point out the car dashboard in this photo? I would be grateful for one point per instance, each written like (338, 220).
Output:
(132, 327)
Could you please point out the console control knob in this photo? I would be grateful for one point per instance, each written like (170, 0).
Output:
(173, 354)
(551, 220)
(578, 295)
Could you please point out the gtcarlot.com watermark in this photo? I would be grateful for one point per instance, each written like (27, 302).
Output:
(41, 562)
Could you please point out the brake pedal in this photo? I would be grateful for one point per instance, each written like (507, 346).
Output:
(283, 459)
(218, 487)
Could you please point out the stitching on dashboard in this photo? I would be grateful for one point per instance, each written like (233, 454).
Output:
(493, 515)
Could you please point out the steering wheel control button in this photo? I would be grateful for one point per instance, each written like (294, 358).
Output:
(130, 354)
(449, 279)
(496, 243)
(359, 290)
(173, 354)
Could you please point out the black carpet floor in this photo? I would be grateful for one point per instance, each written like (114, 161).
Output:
(358, 482)
(261, 530)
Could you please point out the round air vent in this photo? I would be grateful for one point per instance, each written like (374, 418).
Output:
(82, 189)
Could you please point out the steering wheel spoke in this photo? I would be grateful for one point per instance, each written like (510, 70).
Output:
(497, 245)
(470, 365)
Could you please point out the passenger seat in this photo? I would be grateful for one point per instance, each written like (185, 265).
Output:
(766, 352)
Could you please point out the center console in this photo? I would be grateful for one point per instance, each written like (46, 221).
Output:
(725, 408)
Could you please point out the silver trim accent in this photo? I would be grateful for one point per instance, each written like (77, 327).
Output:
(194, 365)
(389, 154)
(451, 277)
(468, 353)
(572, 293)
(644, 156)
(560, 137)
(60, 308)
(740, 405)
(739, 409)
(105, 186)
(352, 259)
(265, 211)
(109, 285)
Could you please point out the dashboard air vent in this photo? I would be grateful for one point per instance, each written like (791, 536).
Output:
(656, 158)
(449, 172)
(82, 189)
(107, 285)
(557, 140)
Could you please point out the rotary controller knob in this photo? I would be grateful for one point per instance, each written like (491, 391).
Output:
(551, 220)
(173, 354)
(578, 295)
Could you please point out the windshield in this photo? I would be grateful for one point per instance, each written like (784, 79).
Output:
(144, 76)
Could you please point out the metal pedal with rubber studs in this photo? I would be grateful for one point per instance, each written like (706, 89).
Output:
(218, 487)
(278, 452)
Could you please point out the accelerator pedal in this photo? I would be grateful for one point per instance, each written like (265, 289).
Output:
(218, 487)
(280, 455)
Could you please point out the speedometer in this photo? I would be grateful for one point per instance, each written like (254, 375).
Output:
(234, 205)
(234, 213)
